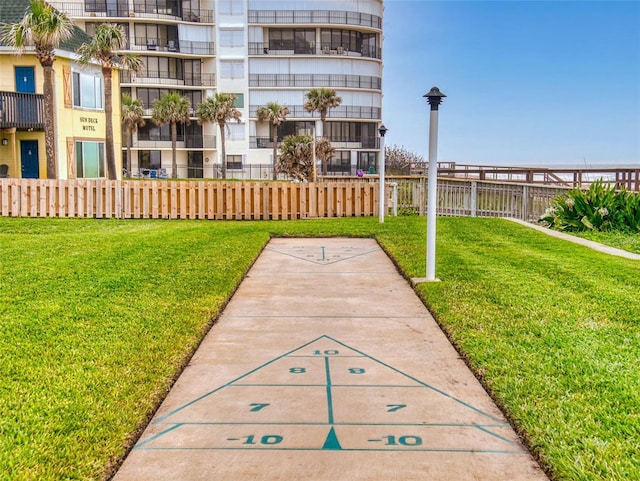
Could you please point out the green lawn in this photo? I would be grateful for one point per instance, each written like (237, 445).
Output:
(627, 242)
(98, 316)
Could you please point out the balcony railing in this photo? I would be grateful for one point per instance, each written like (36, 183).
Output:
(164, 77)
(78, 9)
(341, 112)
(338, 143)
(21, 111)
(183, 46)
(315, 80)
(184, 141)
(262, 48)
(314, 17)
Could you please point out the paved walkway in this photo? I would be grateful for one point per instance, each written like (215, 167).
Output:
(325, 365)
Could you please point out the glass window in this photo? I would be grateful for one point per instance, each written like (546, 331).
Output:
(235, 131)
(232, 69)
(239, 102)
(367, 160)
(340, 162)
(149, 159)
(90, 160)
(87, 91)
(231, 37)
(234, 162)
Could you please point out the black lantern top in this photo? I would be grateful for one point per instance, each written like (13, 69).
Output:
(434, 97)
(382, 130)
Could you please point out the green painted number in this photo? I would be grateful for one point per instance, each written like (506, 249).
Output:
(297, 370)
(356, 370)
(257, 406)
(403, 440)
(395, 407)
(329, 352)
(268, 439)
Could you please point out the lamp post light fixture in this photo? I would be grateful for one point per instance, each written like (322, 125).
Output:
(434, 98)
(382, 130)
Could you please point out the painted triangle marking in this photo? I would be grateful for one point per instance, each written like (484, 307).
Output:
(321, 255)
(332, 441)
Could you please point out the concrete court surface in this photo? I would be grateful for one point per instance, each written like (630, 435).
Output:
(325, 365)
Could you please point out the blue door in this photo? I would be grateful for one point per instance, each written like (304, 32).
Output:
(29, 159)
(25, 80)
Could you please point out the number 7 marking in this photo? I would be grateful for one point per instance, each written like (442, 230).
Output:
(395, 407)
(257, 406)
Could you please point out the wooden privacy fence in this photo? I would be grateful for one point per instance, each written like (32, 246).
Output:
(159, 199)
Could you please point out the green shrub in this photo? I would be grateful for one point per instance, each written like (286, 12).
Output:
(601, 208)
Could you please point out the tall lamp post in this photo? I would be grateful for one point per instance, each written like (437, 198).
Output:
(434, 97)
(383, 131)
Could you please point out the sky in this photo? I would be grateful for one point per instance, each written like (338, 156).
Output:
(528, 83)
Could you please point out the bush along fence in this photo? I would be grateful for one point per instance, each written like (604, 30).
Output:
(160, 199)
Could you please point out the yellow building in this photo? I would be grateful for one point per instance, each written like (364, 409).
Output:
(79, 113)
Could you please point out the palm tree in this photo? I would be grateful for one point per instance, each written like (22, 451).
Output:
(321, 100)
(44, 27)
(276, 114)
(219, 109)
(296, 159)
(131, 113)
(174, 109)
(109, 38)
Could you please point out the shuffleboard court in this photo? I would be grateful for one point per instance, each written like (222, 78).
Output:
(325, 365)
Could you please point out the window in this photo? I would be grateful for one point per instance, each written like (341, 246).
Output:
(298, 40)
(239, 102)
(150, 131)
(156, 35)
(149, 159)
(364, 132)
(235, 131)
(298, 127)
(230, 7)
(87, 91)
(367, 160)
(234, 162)
(232, 69)
(231, 37)
(341, 162)
(90, 160)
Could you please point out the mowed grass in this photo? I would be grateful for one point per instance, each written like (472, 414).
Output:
(621, 240)
(98, 317)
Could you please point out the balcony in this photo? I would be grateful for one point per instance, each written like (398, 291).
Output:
(366, 51)
(21, 111)
(184, 142)
(341, 112)
(174, 46)
(315, 80)
(314, 17)
(164, 77)
(142, 10)
(338, 143)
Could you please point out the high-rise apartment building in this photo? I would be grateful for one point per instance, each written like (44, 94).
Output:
(262, 51)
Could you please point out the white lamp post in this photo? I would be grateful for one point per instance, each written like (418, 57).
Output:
(434, 97)
(382, 130)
